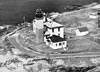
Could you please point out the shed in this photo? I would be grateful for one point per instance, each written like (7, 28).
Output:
(81, 31)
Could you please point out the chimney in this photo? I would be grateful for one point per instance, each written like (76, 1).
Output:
(98, 19)
(46, 15)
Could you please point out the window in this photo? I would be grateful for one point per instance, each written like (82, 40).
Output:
(56, 44)
(45, 28)
(58, 34)
(39, 15)
(48, 40)
(64, 36)
(47, 36)
(52, 29)
(63, 43)
(59, 29)
(59, 44)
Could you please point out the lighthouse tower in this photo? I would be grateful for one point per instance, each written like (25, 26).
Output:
(38, 23)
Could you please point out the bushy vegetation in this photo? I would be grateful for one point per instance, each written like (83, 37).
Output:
(61, 68)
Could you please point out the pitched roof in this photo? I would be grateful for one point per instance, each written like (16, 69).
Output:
(52, 24)
(55, 38)
(83, 29)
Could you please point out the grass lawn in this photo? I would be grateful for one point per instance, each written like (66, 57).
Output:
(27, 39)
(83, 45)
(79, 45)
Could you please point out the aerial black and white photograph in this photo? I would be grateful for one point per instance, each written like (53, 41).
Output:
(49, 35)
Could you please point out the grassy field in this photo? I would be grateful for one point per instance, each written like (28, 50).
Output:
(81, 61)
(80, 44)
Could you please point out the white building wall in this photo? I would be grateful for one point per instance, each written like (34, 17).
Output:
(37, 24)
(34, 28)
(53, 45)
(56, 32)
(50, 31)
(93, 16)
(64, 45)
(47, 43)
(62, 32)
(45, 39)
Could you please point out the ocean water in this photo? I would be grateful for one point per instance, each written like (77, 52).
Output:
(13, 11)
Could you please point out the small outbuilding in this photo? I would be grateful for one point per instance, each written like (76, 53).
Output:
(81, 31)
(93, 15)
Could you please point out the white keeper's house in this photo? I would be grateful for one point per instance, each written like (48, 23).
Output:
(54, 35)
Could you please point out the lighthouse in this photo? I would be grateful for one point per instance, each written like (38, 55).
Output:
(38, 27)
(48, 31)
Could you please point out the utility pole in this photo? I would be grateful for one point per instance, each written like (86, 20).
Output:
(24, 18)
(98, 19)
(49, 59)
(46, 15)
(24, 21)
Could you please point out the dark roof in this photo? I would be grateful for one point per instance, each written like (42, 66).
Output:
(53, 27)
(55, 38)
(39, 14)
(83, 29)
